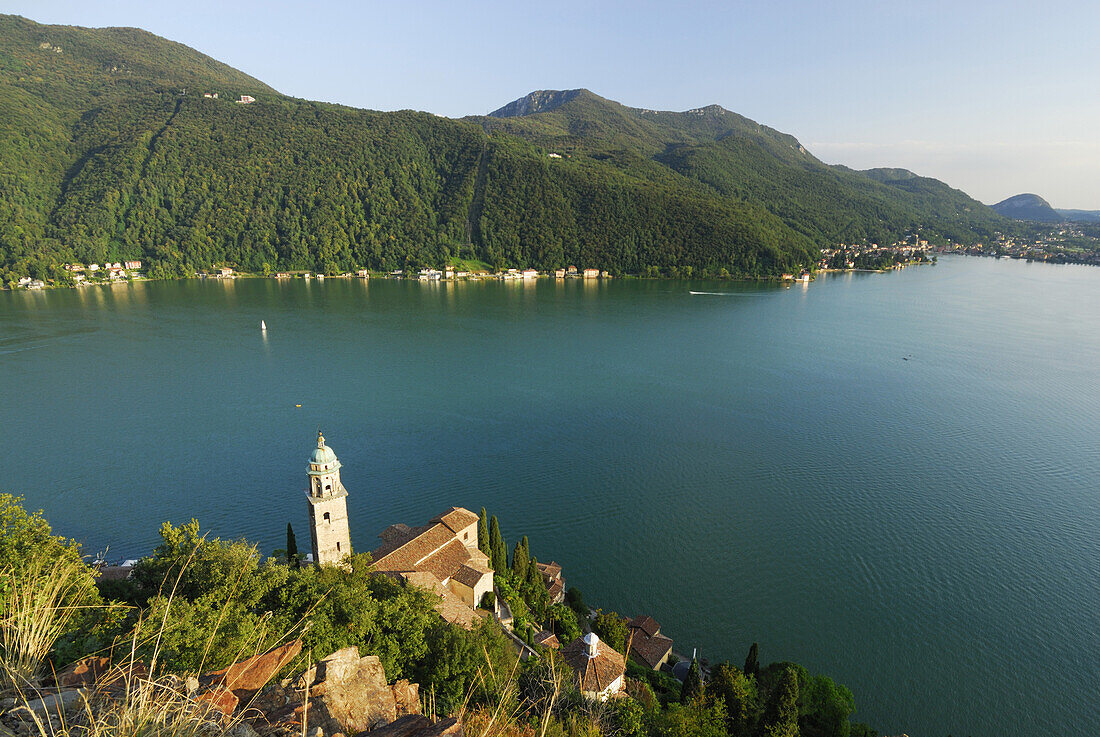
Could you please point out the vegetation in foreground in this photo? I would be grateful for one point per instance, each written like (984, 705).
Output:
(198, 604)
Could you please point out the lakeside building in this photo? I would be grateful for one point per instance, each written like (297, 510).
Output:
(647, 645)
(598, 669)
(441, 556)
(555, 583)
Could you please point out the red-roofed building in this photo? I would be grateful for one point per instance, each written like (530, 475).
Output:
(441, 556)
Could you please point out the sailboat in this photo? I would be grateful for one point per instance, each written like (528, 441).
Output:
(263, 325)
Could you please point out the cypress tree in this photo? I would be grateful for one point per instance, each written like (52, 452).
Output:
(483, 533)
(692, 690)
(752, 663)
(520, 561)
(498, 553)
(291, 547)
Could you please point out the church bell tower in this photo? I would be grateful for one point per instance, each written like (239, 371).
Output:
(328, 506)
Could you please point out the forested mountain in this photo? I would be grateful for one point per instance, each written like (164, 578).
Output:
(738, 158)
(1029, 207)
(110, 150)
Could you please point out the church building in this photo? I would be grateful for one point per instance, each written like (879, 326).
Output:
(328, 506)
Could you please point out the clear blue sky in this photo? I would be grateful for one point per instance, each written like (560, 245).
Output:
(995, 98)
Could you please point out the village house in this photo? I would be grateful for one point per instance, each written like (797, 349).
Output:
(591, 273)
(559, 273)
(246, 99)
(131, 265)
(547, 639)
(555, 584)
(647, 645)
(363, 274)
(597, 668)
(441, 556)
(529, 274)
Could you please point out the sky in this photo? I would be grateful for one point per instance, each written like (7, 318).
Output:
(995, 98)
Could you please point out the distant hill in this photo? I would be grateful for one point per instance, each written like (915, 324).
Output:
(111, 149)
(1080, 216)
(1028, 207)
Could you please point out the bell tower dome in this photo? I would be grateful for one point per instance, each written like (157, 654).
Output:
(328, 507)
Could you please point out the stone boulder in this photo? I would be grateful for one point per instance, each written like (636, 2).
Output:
(417, 725)
(83, 672)
(406, 697)
(220, 700)
(349, 693)
(247, 677)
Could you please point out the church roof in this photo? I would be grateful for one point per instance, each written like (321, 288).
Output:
(593, 674)
(322, 454)
(457, 519)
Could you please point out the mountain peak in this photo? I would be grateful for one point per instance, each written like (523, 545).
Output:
(1028, 206)
(539, 101)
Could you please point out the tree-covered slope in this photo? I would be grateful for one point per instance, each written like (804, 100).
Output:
(104, 156)
(740, 159)
(1029, 207)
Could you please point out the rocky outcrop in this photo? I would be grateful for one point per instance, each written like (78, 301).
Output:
(247, 677)
(349, 693)
(417, 726)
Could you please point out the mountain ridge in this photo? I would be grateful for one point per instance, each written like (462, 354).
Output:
(106, 157)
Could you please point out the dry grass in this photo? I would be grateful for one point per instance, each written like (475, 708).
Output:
(40, 600)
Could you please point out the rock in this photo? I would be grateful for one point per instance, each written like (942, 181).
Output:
(407, 697)
(248, 676)
(417, 725)
(56, 704)
(242, 729)
(219, 699)
(349, 694)
(83, 672)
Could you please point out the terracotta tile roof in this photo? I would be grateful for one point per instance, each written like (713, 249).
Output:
(551, 569)
(646, 624)
(469, 575)
(650, 650)
(593, 674)
(457, 518)
(446, 561)
(407, 555)
(450, 607)
(547, 639)
(556, 590)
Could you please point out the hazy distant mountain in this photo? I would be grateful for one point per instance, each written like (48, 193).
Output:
(1028, 207)
(1080, 216)
(113, 146)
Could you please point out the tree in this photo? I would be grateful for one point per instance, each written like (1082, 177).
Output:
(738, 691)
(291, 547)
(497, 551)
(520, 559)
(781, 713)
(828, 706)
(612, 629)
(483, 533)
(692, 690)
(752, 663)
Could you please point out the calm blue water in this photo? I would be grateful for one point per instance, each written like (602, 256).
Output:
(758, 464)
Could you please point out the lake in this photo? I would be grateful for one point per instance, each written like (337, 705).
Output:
(893, 479)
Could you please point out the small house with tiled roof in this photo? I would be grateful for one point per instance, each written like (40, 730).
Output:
(598, 669)
(441, 556)
(555, 584)
(547, 639)
(647, 645)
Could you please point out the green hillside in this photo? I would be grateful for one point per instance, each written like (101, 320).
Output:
(109, 151)
(738, 158)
